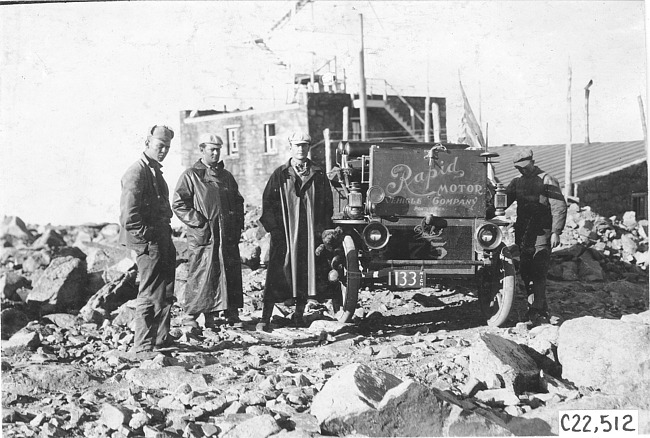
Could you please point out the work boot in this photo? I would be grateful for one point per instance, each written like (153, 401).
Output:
(211, 320)
(232, 317)
(170, 344)
(263, 326)
(297, 319)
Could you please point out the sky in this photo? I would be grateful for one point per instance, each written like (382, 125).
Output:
(80, 83)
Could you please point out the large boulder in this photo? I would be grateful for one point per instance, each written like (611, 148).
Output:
(49, 378)
(502, 363)
(21, 341)
(360, 400)
(102, 256)
(167, 378)
(13, 226)
(110, 297)
(49, 239)
(117, 270)
(61, 285)
(612, 355)
(351, 391)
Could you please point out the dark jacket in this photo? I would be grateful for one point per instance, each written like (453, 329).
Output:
(541, 208)
(144, 205)
(209, 203)
(294, 237)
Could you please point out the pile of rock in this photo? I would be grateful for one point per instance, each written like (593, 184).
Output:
(594, 248)
(514, 387)
(56, 269)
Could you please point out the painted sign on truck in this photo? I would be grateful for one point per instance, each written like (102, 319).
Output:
(450, 183)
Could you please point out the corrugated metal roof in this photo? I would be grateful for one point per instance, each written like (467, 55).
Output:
(589, 161)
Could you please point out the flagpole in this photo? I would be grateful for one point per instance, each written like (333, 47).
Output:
(480, 108)
(363, 114)
(568, 182)
(427, 109)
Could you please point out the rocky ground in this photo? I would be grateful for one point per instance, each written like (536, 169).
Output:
(413, 362)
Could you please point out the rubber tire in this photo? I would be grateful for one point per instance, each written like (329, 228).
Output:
(497, 291)
(351, 280)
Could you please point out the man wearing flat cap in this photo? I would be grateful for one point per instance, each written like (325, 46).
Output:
(208, 201)
(296, 207)
(541, 215)
(145, 215)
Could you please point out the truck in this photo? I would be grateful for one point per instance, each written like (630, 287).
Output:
(415, 214)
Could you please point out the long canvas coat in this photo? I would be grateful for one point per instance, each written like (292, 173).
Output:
(208, 201)
(295, 212)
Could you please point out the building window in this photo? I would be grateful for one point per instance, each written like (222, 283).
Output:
(270, 146)
(232, 137)
(640, 205)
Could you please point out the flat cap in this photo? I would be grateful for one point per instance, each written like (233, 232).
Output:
(299, 137)
(162, 133)
(523, 157)
(208, 138)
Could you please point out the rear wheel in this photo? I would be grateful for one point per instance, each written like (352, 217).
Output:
(497, 288)
(350, 281)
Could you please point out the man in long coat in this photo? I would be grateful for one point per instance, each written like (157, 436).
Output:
(296, 208)
(208, 201)
(145, 228)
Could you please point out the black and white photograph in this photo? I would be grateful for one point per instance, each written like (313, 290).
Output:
(306, 218)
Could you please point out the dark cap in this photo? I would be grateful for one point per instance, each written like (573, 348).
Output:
(523, 157)
(162, 133)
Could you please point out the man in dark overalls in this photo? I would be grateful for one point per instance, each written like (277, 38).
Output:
(145, 228)
(541, 215)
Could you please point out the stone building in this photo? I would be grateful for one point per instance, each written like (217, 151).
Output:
(255, 141)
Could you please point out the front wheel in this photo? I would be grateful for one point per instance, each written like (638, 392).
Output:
(497, 288)
(350, 281)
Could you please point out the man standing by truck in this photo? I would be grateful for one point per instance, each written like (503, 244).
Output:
(541, 215)
(296, 207)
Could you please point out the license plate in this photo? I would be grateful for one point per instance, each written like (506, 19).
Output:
(407, 279)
